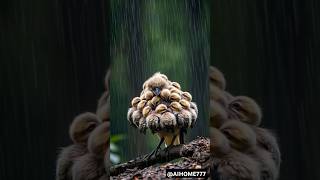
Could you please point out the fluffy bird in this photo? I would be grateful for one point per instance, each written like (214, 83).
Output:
(246, 110)
(103, 108)
(218, 114)
(230, 163)
(267, 140)
(92, 164)
(243, 138)
(79, 131)
(156, 83)
(217, 78)
(163, 108)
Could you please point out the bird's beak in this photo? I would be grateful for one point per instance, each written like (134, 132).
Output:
(156, 91)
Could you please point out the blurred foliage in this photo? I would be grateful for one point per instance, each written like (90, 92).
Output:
(114, 148)
(148, 36)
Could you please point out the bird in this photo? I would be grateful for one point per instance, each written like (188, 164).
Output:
(67, 158)
(103, 108)
(217, 78)
(88, 167)
(80, 129)
(267, 140)
(246, 110)
(107, 80)
(215, 93)
(156, 83)
(163, 108)
(229, 163)
(92, 164)
(243, 138)
(218, 114)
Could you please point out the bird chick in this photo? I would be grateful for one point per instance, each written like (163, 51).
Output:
(103, 108)
(156, 83)
(165, 94)
(153, 121)
(146, 111)
(230, 163)
(136, 116)
(66, 159)
(186, 96)
(99, 140)
(88, 166)
(243, 138)
(175, 90)
(267, 140)
(135, 101)
(161, 108)
(246, 110)
(148, 95)
(185, 104)
(194, 116)
(215, 93)
(141, 105)
(218, 114)
(106, 80)
(175, 107)
(175, 97)
(154, 101)
(81, 127)
(176, 85)
(92, 164)
(193, 106)
(142, 125)
(168, 121)
(79, 131)
(129, 115)
(216, 77)
(184, 118)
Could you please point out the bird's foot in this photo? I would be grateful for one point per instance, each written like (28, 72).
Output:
(154, 153)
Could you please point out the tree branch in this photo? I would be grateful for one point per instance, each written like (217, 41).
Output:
(164, 155)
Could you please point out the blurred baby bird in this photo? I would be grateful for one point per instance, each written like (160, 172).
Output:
(79, 131)
(217, 78)
(91, 165)
(243, 138)
(229, 163)
(246, 110)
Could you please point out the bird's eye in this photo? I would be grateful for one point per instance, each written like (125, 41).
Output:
(91, 127)
(236, 105)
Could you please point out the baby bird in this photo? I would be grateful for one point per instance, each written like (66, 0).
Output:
(153, 121)
(267, 140)
(80, 130)
(240, 135)
(218, 95)
(91, 165)
(246, 110)
(156, 83)
(230, 163)
(216, 77)
(243, 138)
(103, 108)
(81, 127)
(218, 114)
